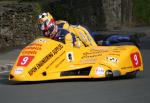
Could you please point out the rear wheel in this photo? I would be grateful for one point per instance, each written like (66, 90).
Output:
(134, 74)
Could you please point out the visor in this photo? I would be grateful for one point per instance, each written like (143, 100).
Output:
(45, 25)
(42, 15)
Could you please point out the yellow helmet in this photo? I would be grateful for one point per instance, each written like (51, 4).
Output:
(47, 24)
(44, 16)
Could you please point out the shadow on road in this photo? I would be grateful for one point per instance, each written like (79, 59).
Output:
(4, 80)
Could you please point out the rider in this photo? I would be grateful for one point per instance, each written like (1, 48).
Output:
(72, 35)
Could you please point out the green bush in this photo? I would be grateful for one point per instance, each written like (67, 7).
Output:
(37, 9)
(141, 11)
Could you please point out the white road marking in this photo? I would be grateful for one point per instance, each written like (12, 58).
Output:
(3, 78)
(4, 72)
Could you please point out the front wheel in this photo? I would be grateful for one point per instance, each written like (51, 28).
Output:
(109, 74)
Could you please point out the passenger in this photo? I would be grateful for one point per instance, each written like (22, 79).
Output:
(72, 35)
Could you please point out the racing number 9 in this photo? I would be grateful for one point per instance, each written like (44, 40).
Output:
(135, 58)
(24, 60)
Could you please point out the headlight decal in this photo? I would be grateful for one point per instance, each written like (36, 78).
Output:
(18, 71)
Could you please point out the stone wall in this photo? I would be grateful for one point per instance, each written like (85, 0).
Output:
(127, 12)
(17, 23)
(118, 13)
(112, 11)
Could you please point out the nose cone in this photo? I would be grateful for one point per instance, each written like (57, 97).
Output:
(17, 77)
(18, 74)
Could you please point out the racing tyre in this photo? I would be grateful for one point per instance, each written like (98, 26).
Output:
(109, 74)
(133, 74)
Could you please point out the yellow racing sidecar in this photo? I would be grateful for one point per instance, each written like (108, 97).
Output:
(47, 59)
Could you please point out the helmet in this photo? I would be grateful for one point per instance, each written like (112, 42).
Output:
(47, 25)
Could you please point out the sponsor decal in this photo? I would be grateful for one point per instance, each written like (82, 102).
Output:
(70, 56)
(112, 59)
(100, 71)
(29, 52)
(24, 60)
(58, 48)
(31, 49)
(40, 64)
(101, 49)
(18, 71)
(135, 58)
(45, 59)
(92, 54)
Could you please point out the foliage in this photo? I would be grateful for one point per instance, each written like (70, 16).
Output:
(37, 9)
(141, 11)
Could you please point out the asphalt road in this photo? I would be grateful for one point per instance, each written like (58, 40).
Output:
(135, 90)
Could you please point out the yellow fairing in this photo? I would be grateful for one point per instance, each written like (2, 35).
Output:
(46, 59)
